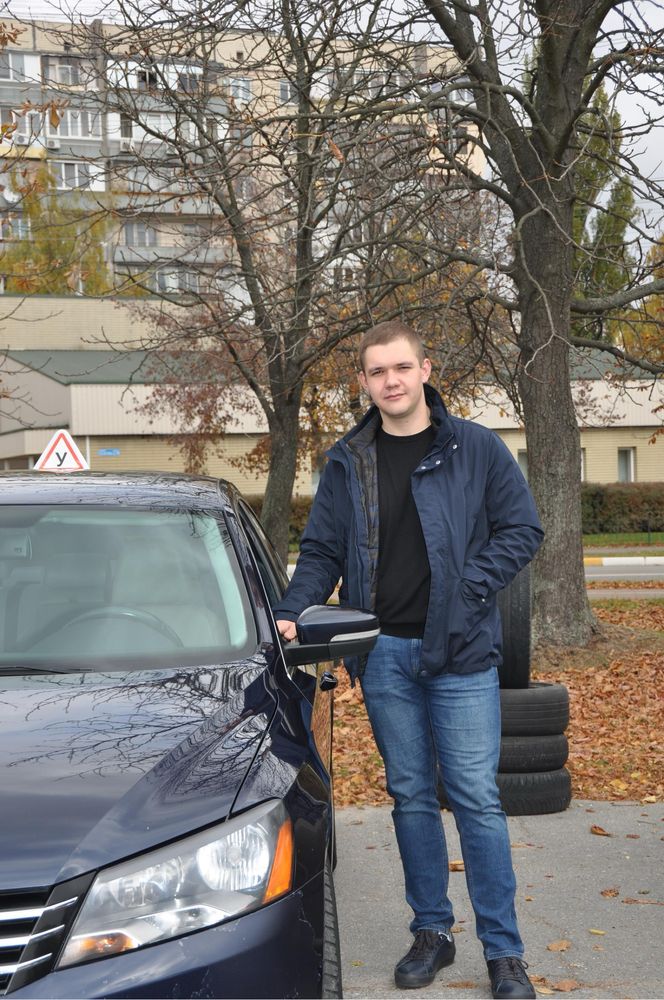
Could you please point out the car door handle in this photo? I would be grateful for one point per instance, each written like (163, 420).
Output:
(327, 681)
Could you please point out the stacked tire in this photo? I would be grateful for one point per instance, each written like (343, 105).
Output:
(532, 777)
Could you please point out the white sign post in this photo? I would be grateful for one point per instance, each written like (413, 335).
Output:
(61, 454)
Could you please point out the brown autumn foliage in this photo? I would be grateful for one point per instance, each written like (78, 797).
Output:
(616, 706)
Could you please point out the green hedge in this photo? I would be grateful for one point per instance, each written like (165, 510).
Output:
(605, 508)
(617, 507)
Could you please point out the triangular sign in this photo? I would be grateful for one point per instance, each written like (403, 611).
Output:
(61, 454)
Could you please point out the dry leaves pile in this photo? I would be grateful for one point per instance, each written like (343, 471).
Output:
(616, 706)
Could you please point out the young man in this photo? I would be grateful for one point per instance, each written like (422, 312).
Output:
(425, 517)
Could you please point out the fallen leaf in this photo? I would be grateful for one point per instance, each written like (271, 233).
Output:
(529, 899)
(599, 831)
(457, 866)
(649, 798)
(593, 930)
(538, 979)
(610, 892)
(462, 984)
(644, 902)
(545, 990)
(458, 930)
(559, 945)
(357, 963)
(633, 836)
(566, 985)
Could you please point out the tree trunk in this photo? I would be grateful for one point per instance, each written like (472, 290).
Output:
(561, 612)
(284, 436)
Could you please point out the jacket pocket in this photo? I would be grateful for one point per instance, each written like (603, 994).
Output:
(469, 609)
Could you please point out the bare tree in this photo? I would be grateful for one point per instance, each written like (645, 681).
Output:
(272, 166)
(532, 71)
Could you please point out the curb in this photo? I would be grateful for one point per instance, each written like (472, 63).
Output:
(623, 561)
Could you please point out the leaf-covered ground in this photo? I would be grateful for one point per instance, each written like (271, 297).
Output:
(616, 705)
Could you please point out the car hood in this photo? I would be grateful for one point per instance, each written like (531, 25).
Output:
(97, 767)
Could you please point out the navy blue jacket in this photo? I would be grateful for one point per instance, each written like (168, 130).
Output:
(479, 522)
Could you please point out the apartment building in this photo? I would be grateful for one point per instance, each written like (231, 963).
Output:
(148, 138)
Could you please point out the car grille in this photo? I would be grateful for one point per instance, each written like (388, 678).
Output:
(33, 926)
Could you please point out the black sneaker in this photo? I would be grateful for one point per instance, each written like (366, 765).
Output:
(509, 980)
(430, 951)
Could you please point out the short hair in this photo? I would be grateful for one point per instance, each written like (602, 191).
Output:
(385, 333)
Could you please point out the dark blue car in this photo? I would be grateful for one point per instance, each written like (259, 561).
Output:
(167, 819)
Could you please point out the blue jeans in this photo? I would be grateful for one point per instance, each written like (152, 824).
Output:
(453, 719)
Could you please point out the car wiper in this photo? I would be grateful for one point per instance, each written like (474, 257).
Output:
(14, 669)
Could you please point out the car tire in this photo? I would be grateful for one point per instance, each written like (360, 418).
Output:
(541, 709)
(331, 978)
(514, 604)
(536, 793)
(523, 754)
(532, 794)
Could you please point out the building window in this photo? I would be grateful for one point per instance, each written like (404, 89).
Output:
(12, 66)
(188, 81)
(626, 465)
(522, 459)
(77, 124)
(65, 70)
(240, 89)
(14, 227)
(177, 281)
(288, 92)
(583, 465)
(72, 175)
(139, 234)
(147, 77)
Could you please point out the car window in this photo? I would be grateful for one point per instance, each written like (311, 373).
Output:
(97, 586)
(272, 572)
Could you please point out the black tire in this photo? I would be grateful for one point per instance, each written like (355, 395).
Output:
(541, 709)
(536, 793)
(532, 794)
(331, 978)
(514, 603)
(523, 754)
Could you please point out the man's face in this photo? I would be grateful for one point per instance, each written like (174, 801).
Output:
(394, 378)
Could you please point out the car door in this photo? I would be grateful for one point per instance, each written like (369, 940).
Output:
(309, 677)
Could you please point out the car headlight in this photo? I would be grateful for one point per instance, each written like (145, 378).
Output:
(194, 883)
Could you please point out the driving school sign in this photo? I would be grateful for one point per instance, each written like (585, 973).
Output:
(61, 454)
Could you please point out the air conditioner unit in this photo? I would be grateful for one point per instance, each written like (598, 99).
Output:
(126, 145)
(53, 144)
(21, 139)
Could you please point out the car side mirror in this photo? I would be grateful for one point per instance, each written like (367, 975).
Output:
(326, 632)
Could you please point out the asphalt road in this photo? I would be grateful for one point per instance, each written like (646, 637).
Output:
(611, 943)
(629, 572)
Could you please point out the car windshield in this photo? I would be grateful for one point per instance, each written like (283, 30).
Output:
(92, 588)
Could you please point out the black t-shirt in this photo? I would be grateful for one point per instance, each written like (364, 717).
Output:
(403, 564)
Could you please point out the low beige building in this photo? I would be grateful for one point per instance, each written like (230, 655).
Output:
(67, 363)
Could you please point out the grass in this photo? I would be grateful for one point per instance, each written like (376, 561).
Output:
(624, 538)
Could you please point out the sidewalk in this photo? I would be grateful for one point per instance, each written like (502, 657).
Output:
(591, 908)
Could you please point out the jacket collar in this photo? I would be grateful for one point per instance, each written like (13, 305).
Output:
(364, 432)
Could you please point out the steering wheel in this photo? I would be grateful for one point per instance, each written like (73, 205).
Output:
(116, 611)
